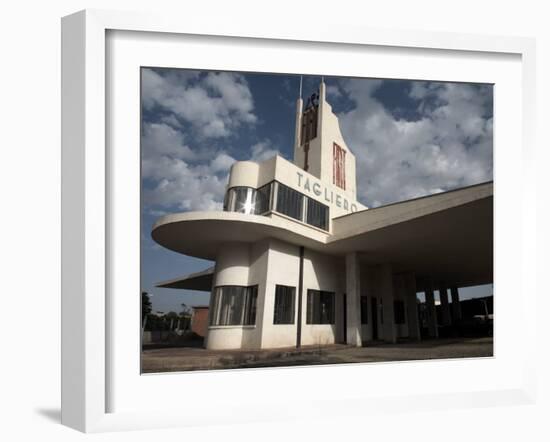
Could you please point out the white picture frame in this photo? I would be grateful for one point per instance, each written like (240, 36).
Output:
(87, 356)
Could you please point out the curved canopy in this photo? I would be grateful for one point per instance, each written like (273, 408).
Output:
(202, 234)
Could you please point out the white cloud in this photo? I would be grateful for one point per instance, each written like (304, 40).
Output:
(234, 92)
(262, 151)
(333, 91)
(450, 146)
(189, 185)
(185, 186)
(161, 139)
(181, 183)
(213, 105)
(221, 163)
(186, 107)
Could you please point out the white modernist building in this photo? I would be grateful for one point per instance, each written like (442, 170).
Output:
(299, 261)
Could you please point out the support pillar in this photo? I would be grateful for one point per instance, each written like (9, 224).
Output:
(457, 310)
(413, 323)
(430, 310)
(353, 299)
(444, 299)
(386, 292)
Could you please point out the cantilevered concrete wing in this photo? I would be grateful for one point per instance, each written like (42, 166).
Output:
(203, 234)
(194, 281)
(446, 236)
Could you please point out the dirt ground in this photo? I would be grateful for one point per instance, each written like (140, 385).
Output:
(156, 360)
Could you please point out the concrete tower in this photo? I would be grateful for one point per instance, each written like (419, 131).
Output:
(319, 147)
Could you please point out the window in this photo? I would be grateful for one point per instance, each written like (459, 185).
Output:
(317, 214)
(289, 202)
(399, 311)
(284, 305)
(248, 200)
(309, 125)
(226, 201)
(262, 199)
(320, 307)
(338, 166)
(234, 305)
(242, 203)
(364, 310)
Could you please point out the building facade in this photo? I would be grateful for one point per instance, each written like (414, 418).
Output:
(199, 320)
(300, 261)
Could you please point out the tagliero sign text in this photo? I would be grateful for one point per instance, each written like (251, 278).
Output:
(322, 191)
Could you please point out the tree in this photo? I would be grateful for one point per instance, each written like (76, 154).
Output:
(185, 310)
(185, 316)
(172, 316)
(146, 306)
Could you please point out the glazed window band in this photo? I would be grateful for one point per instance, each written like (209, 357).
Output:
(288, 201)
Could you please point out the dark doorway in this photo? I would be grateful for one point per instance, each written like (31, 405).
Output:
(345, 320)
(374, 310)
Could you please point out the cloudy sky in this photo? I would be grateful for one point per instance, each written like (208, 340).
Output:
(410, 138)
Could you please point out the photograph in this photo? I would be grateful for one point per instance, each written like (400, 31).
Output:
(301, 220)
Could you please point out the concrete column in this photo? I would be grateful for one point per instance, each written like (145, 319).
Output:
(445, 310)
(457, 310)
(353, 299)
(412, 309)
(386, 292)
(430, 310)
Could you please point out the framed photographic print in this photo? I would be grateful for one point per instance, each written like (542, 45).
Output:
(285, 222)
(313, 276)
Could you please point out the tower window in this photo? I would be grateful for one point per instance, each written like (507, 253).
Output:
(339, 166)
(309, 125)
